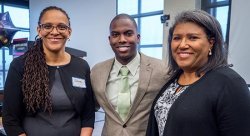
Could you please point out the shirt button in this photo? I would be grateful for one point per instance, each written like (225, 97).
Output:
(124, 126)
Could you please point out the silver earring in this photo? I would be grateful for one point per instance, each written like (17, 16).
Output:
(210, 52)
(68, 39)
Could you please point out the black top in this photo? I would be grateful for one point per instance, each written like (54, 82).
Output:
(80, 96)
(218, 104)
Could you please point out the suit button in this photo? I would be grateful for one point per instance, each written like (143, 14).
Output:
(124, 126)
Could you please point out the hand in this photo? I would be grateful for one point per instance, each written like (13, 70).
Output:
(86, 131)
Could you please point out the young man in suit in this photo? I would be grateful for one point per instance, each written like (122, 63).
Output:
(126, 112)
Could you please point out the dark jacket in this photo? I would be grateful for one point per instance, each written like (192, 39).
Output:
(14, 109)
(218, 104)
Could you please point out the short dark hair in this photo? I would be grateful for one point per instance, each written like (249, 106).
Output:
(123, 16)
(212, 28)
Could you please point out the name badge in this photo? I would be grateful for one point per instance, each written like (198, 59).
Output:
(78, 82)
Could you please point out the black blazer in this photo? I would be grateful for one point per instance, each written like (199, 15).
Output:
(218, 104)
(14, 109)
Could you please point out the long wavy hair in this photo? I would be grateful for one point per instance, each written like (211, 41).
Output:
(35, 82)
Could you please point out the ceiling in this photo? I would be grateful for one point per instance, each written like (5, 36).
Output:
(16, 2)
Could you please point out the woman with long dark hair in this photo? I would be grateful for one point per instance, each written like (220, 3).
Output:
(48, 91)
(204, 96)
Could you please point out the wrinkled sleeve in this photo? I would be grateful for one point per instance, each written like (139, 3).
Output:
(88, 117)
(13, 108)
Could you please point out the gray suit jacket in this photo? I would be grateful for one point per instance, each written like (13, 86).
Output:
(152, 76)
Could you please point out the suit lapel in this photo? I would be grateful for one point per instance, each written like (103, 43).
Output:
(108, 66)
(144, 78)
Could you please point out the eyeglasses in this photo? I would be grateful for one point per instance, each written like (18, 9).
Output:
(61, 28)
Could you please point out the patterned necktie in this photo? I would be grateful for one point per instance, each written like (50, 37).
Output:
(123, 102)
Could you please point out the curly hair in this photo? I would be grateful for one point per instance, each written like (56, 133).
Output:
(35, 81)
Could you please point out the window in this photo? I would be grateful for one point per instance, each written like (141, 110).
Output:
(20, 18)
(221, 10)
(147, 14)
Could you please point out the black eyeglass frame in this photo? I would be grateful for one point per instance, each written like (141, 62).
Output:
(60, 30)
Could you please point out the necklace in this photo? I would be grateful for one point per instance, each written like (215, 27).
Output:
(180, 87)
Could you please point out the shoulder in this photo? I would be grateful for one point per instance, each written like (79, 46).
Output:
(226, 79)
(151, 59)
(103, 64)
(159, 67)
(226, 74)
(154, 63)
(18, 63)
(78, 62)
(18, 60)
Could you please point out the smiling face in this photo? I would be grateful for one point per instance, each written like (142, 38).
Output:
(190, 46)
(124, 39)
(53, 41)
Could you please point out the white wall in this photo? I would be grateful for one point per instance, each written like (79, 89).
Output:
(239, 45)
(89, 21)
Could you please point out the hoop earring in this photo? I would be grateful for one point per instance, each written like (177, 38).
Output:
(38, 37)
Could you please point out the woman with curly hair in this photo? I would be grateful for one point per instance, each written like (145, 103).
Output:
(48, 91)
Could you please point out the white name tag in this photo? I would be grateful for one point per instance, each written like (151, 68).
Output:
(78, 82)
